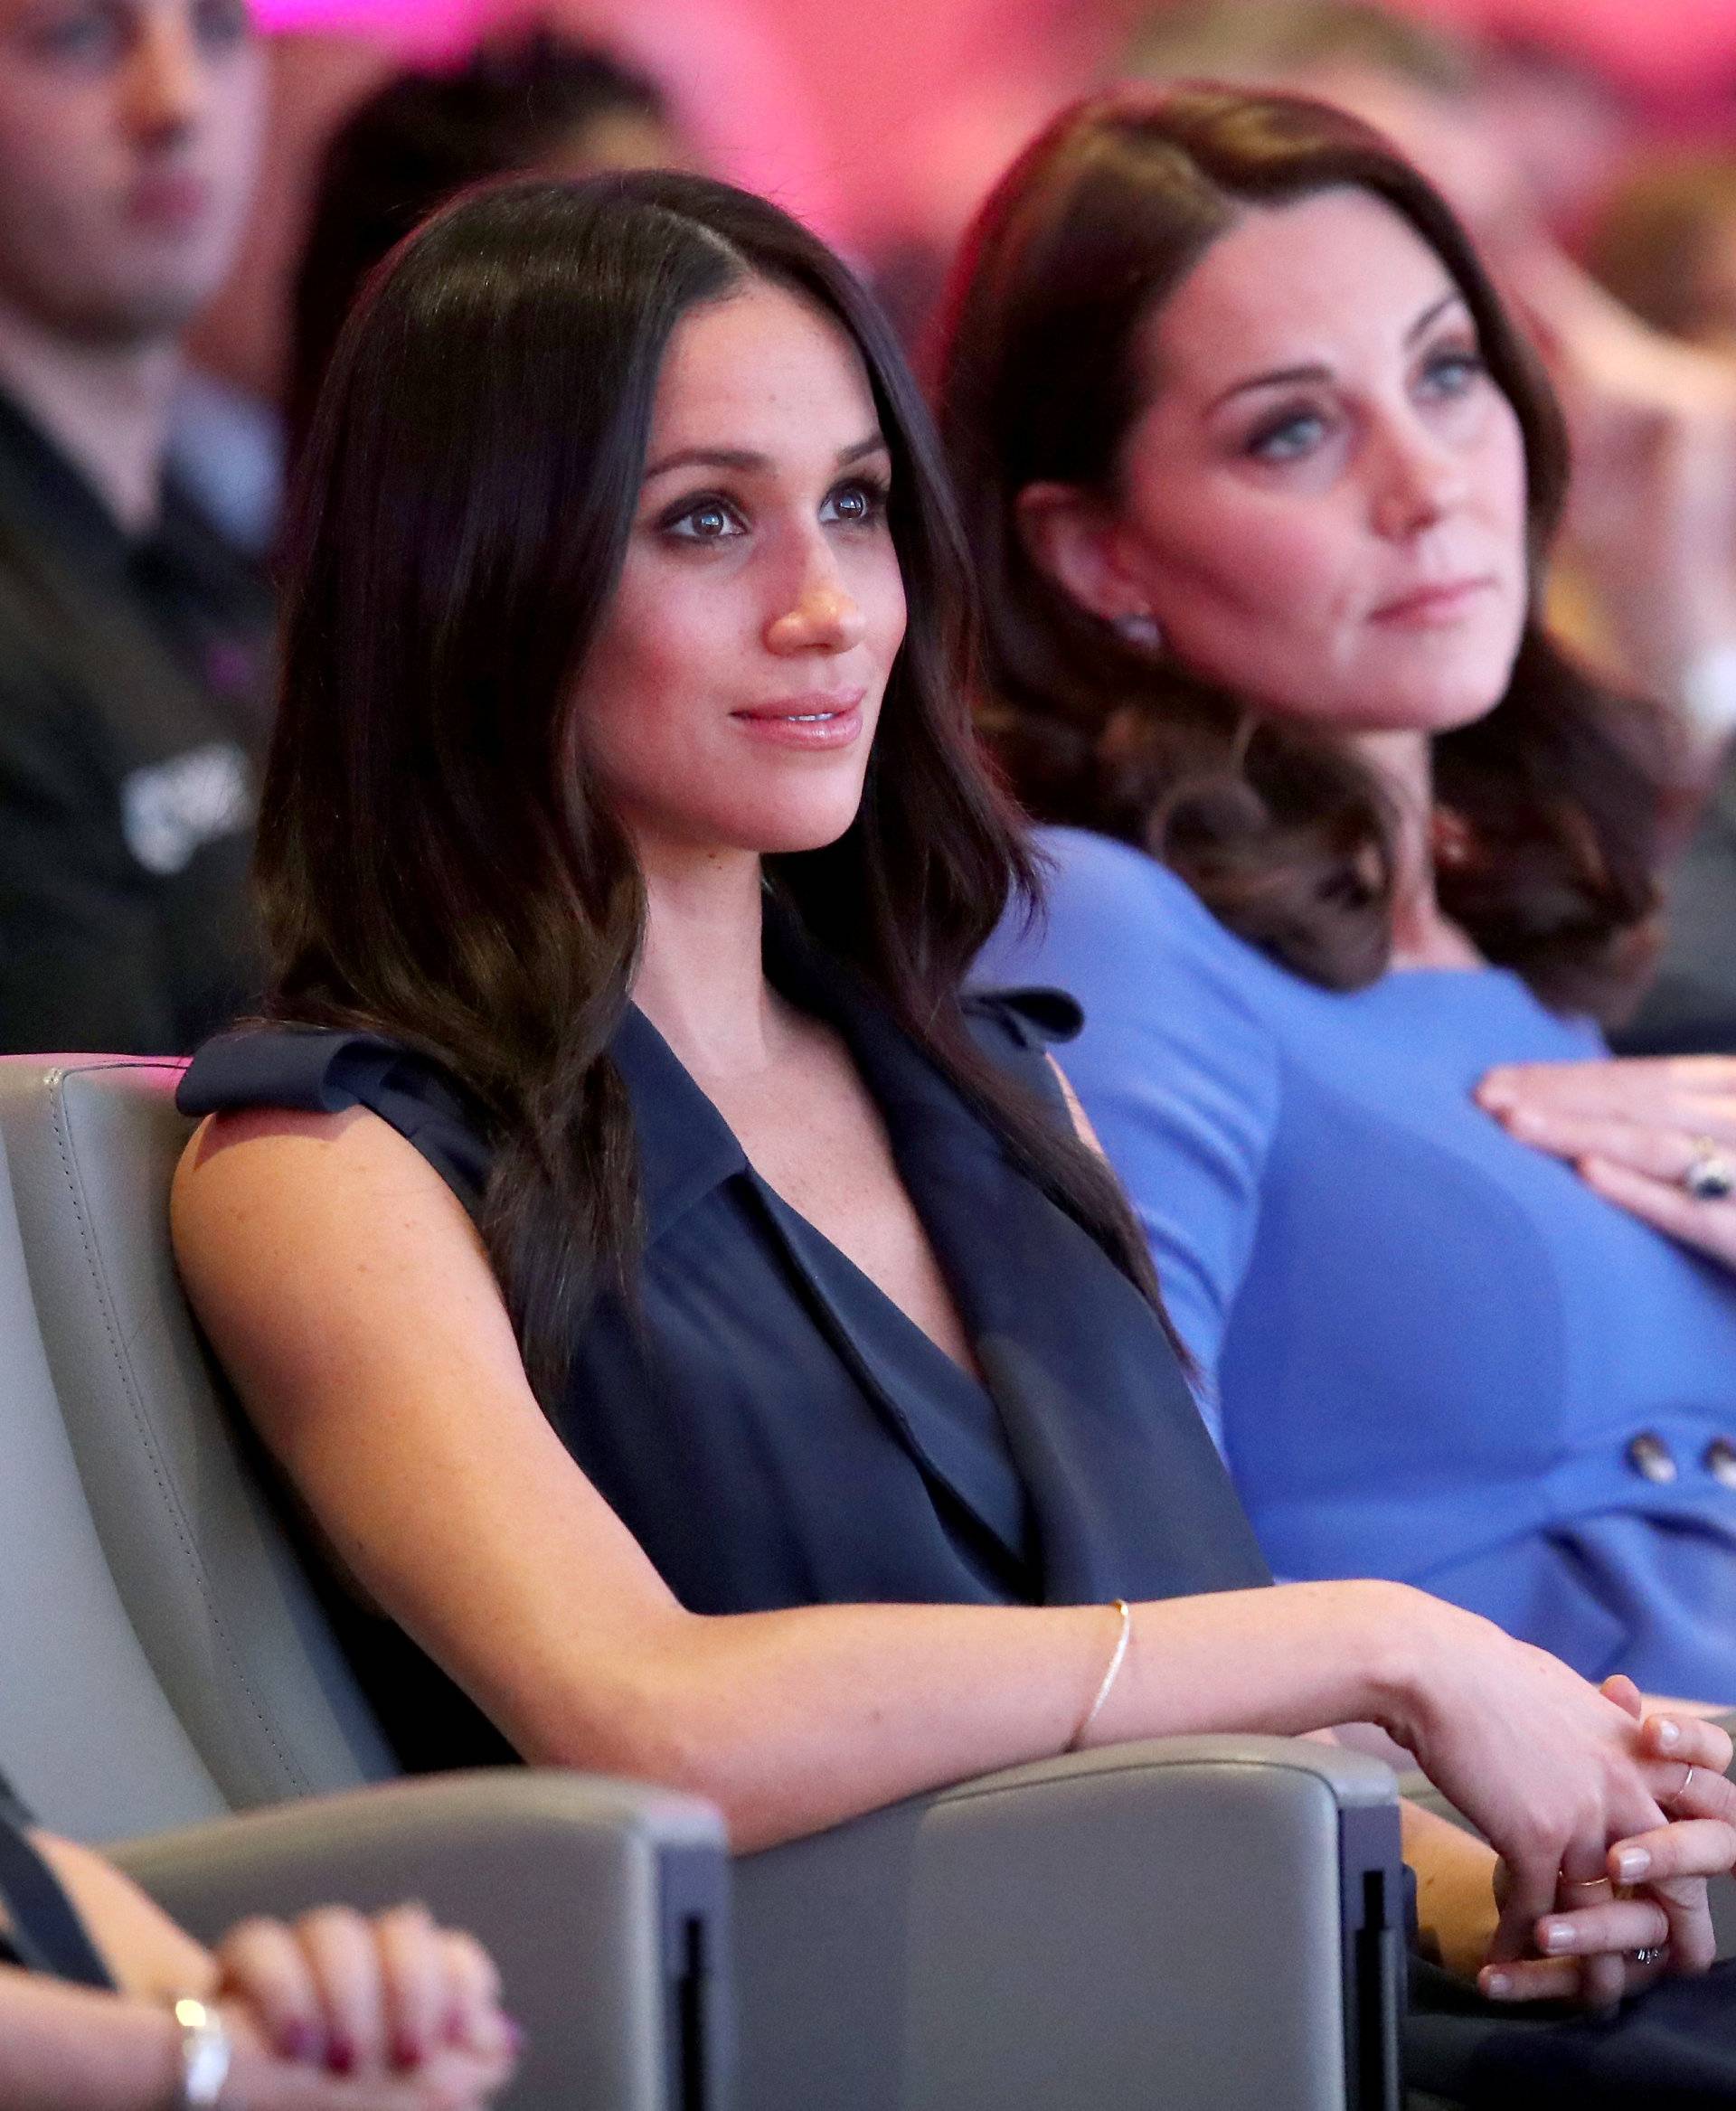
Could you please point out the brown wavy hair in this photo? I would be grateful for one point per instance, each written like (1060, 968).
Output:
(437, 862)
(1283, 833)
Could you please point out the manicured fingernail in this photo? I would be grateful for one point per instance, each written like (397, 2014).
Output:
(1632, 1863)
(1555, 1936)
(1669, 1733)
(340, 2055)
(301, 2041)
(1496, 1984)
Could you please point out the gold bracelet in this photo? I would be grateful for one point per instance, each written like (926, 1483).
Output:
(1119, 1657)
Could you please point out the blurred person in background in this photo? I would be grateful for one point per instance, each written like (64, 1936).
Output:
(134, 646)
(1665, 246)
(536, 102)
(1261, 478)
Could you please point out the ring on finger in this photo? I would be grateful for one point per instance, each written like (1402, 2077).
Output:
(1711, 1173)
(1676, 1795)
(1653, 1953)
(1567, 1883)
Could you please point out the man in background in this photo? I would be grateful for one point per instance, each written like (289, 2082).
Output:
(134, 646)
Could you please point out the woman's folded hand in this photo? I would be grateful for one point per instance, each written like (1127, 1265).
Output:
(398, 2007)
(1612, 1935)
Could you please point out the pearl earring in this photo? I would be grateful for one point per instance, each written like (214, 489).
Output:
(1141, 629)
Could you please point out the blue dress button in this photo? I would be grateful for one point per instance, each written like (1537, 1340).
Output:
(1721, 1461)
(1651, 1458)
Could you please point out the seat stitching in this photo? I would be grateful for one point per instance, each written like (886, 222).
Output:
(165, 1488)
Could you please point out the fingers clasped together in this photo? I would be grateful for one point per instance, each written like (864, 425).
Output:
(395, 1997)
(1617, 1929)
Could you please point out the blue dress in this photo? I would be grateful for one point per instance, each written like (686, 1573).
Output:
(1429, 1352)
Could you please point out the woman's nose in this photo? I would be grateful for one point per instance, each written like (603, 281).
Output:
(824, 619)
(1417, 483)
(164, 77)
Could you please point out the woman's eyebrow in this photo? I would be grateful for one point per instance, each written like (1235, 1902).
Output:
(748, 461)
(1450, 298)
(1314, 370)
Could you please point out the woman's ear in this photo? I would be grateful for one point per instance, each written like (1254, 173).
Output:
(1070, 537)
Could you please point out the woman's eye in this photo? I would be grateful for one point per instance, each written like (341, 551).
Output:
(708, 520)
(223, 24)
(1452, 373)
(83, 35)
(857, 505)
(1287, 437)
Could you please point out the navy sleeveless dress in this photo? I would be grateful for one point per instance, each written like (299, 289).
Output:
(772, 1429)
(775, 1432)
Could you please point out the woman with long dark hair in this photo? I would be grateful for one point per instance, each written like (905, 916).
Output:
(1261, 480)
(698, 1335)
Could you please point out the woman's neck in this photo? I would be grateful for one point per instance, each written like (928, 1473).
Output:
(1421, 936)
(701, 979)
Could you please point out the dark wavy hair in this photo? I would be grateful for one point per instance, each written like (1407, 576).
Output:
(437, 862)
(1282, 832)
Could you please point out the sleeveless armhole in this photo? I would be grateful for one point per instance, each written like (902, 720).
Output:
(45, 1934)
(1016, 1028)
(314, 1070)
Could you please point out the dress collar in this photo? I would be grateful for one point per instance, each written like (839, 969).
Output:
(687, 1149)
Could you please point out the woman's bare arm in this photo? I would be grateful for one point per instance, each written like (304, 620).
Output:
(350, 1299)
(145, 1953)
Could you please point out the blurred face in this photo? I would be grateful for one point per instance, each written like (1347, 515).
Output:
(620, 139)
(1323, 505)
(731, 698)
(128, 136)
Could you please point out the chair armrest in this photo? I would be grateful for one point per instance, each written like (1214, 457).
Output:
(1204, 1922)
(603, 1902)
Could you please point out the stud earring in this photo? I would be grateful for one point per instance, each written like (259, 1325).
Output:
(1140, 629)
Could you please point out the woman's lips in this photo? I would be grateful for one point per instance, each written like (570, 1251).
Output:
(169, 204)
(1433, 606)
(827, 720)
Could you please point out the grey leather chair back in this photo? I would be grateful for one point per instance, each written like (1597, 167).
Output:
(221, 1606)
(164, 1662)
(87, 1736)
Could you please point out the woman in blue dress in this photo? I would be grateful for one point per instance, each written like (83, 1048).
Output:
(699, 1337)
(1261, 476)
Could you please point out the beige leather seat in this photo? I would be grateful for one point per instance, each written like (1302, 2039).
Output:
(1204, 1922)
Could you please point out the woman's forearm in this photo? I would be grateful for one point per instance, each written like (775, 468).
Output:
(1456, 1904)
(68, 2048)
(792, 1721)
